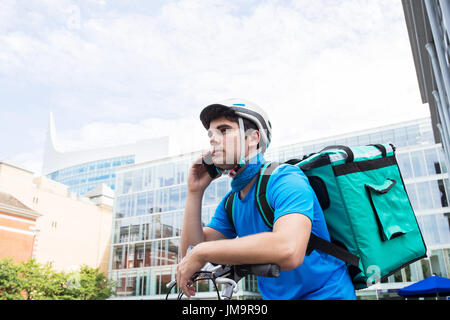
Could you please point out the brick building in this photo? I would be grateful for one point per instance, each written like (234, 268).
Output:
(17, 229)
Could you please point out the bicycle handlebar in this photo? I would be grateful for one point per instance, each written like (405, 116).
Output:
(230, 275)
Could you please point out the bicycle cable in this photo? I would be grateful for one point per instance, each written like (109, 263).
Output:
(181, 293)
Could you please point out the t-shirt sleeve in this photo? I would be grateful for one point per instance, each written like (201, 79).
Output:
(290, 192)
(220, 221)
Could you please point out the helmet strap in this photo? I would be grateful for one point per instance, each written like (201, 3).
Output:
(242, 158)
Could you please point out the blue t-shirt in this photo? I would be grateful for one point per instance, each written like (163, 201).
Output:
(320, 276)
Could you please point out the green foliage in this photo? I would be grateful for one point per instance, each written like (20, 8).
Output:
(33, 281)
(10, 282)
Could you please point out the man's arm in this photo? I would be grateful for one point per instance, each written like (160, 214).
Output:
(285, 245)
(192, 232)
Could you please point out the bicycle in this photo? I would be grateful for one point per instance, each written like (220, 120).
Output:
(229, 276)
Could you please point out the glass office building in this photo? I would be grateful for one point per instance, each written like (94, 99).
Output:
(428, 25)
(83, 170)
(84, 177)
(150, 201)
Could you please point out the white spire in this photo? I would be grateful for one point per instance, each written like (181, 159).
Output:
(50, 149)
(51, 133)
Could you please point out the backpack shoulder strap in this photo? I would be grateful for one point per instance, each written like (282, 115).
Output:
(262, 203)
(229, 208)
(317, 243)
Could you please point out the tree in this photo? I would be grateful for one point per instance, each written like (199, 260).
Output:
(10, 282)
(94, 285)
(40, 282)
(33, 281)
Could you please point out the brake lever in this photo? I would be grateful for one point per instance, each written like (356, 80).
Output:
(230, 287)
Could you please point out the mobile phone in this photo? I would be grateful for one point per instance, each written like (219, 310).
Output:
(213, 171)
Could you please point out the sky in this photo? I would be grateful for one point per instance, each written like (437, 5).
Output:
(114, 72)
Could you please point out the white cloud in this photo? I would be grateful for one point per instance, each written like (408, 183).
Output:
(318, 67)
(185, 134)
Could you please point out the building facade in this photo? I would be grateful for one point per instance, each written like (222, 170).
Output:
(40, 218)
(17, 228)
(428, 23)
(150, 201)
(85, 170)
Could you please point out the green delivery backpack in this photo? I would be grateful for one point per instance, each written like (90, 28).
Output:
(369, 217)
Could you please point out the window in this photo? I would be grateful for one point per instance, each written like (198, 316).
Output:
(131, 209)
(137, 180)
(439, 194)
(442, 160)
(404, 165)
(429, 229)
(174, 199)
(400, 137)
(165, 174)
(156, 227)
(432, 161)
(124, 234)
(134, 233)
(424, 193)
(127, 181)
(418, 163)
(413, 133)
(364, 140)
(388, 136)
(164, 200)
(178, 222)
(210, 194)
(412, 195)
(183, 191)
(140, 252)
(121, 206)
(147, 178)
(426, 268)
(118, 258)
(141, 204)
(352, 142)
(167, 225)
(222, 188)
(376, 138)
(181, 173)
(150, 202)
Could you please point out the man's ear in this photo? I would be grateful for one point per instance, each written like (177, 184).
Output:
(254, 137)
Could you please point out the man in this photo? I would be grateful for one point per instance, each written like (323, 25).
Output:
(239, 134)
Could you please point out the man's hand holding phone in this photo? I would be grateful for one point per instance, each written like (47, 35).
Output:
(199, 178)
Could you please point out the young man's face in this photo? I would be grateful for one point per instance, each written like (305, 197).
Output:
(224, 138)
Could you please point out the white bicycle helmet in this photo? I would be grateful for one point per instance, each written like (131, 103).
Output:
(243, 109)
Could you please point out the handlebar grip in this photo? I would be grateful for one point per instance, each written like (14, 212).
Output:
(263, 270)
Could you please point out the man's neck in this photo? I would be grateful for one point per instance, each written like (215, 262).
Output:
(246, 189)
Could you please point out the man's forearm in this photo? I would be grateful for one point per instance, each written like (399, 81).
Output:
(192, 230)
(266, 247)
